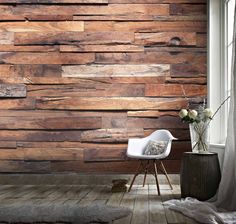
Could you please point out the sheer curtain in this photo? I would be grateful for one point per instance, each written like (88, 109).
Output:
(223, 209)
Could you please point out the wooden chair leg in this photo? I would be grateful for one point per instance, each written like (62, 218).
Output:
(145, 173)
(167, 177)
(136, 174)
(155, 174)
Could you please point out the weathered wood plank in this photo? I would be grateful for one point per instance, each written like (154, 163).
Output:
(111, 103)
(151, 58)
(45, 123)
(42, 154)
(166, 38)
(46, 58)
(175, 90)
(24, 167)
(202, 40)
(126, 70)
(101, 48)
(174, 49)
(79, 90)
(30, 70)
(163, 122)
(188, 9)
(6, 38)
(12, 90)
(151, 113)
(98, 167)
(99, 155)
(41, 26)
(8, 145)
(39, 136)
(111, 135)
(151, 26)
(17, 104)
(11, 47)
(192, 69)
(136, 17)
(52, 38)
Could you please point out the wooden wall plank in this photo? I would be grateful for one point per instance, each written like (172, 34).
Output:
(12, 90)
(102, 48)
(41, 26)
(53, 38)
(111, 103)
(175, 90)
(156, 1)
(18, 104)
(95, 90)
(111, 135)
(45, 58)
(151, 57)
(188, 9)
(153, 26)
(126, 70)
(58, 123)
(6, 38)
(166, 38)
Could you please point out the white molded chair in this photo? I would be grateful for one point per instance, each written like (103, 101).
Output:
(150, 163)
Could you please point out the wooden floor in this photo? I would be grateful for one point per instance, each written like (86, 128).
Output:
(146, 205)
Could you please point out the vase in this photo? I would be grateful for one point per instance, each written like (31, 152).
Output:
(199, 133)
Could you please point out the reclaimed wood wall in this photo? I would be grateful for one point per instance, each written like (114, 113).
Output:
(80, 77)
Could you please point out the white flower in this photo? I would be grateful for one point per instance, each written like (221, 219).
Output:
(192, 114)
(183, 113)
(208, 113)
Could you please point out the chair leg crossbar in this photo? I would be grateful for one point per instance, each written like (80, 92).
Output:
(152, 167)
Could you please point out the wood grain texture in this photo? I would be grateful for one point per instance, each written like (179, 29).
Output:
(94, 73)
(109, 103)
(89, 71)
(84, 38)
(12, 90)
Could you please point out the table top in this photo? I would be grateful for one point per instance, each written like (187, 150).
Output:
(201, 154)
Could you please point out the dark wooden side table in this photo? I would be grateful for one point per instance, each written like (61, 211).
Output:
(200, 175)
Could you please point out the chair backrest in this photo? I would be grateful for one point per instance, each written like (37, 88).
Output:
(137, 146)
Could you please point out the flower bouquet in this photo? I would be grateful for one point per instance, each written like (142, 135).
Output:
(199, 121)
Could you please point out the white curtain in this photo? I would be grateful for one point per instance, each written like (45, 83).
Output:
(223, 210)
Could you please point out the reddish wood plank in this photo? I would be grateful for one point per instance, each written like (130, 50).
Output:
(192, 69)
(24, 167)
(42, 154)
(175, 90)
(166, 38)
(8, 145)
(197, 80)
(111, 103)
(71, 38)
(111, 135)
(95, 89)
(151, 58)
(11, 47)
(17, 104)
(39, 136)
(41, 26)
(172, 166)
(46, 58)
(151, 113)
(163, 122)
(102, 48)
(153, 26)
(50, 123)
(12, 90)
(202, 40)
(136, 17)
(188, 9)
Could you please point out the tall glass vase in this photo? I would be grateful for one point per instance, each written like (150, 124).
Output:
(199, 133)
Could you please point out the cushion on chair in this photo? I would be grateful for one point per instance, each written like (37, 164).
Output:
(155, 147)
